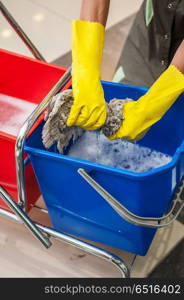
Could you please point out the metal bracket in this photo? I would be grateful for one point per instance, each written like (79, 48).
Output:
(19, 147)
(124, 213)
(72, 241)
(20, 32)
(24, 218)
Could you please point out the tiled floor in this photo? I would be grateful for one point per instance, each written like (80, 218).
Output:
(48, 25)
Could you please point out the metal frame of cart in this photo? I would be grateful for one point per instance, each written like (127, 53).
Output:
(43, 233)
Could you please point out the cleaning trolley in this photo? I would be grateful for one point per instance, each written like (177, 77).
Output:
(107, 205)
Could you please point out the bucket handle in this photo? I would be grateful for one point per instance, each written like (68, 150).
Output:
(124, 213)
(20, 32)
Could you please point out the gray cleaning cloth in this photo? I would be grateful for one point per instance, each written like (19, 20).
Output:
(55, 129)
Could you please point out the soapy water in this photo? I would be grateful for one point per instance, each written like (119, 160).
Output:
(95, 147)
(13, 113)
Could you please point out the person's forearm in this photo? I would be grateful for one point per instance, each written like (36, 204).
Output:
(95, 11)
(178, 59)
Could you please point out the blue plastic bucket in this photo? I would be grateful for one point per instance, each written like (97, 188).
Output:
(76, 208)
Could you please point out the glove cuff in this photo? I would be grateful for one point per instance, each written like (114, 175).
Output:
(87, 43)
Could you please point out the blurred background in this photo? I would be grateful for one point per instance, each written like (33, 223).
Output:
(48, 24)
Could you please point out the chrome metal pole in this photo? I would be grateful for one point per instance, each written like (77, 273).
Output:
(88, 248)
(19, 151)
(124, 213)
(20, 32)
(37, 112)
(9, 215)
(24, 218)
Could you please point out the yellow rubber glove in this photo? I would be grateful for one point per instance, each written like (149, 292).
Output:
(140, 115)
(89, 108)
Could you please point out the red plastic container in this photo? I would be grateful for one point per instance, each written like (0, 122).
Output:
(31, 80)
